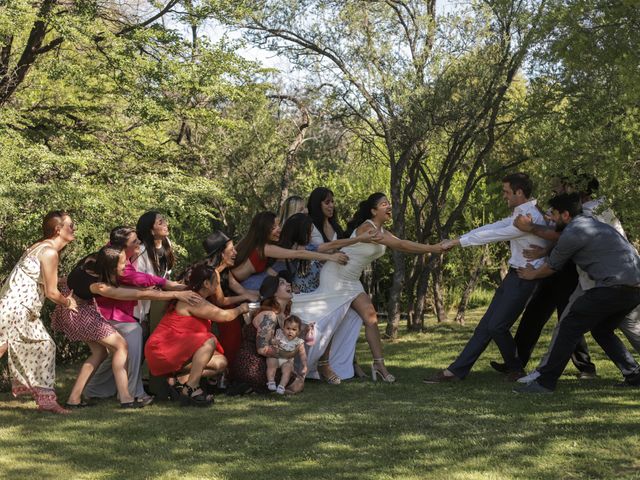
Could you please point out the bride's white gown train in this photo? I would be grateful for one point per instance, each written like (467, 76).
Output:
(329, 308)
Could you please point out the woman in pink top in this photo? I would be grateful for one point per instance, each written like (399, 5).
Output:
(119, 313)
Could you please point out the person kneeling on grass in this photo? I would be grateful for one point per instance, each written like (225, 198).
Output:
(287, 340)
(182, 344)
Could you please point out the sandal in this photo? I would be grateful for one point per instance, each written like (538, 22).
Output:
(332, 378)
(194, 397)
(175, 391)
(133, 404)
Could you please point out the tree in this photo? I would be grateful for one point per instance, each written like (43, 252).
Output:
(410, 80)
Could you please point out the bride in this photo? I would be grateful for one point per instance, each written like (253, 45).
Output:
(340, 289)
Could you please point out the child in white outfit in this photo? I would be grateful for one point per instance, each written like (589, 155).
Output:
(287, 340)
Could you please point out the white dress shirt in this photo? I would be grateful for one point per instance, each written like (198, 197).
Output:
(504, 230)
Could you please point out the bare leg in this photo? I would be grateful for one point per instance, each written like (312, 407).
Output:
(272, 367)
(3, 349)
(199, 361)
(363, 306)
(98, 354)
(285, 370)
(118, 346)
(216, 366)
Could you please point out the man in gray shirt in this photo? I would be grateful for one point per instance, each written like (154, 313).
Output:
(612, 262)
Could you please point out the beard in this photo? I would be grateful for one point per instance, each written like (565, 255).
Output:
(560, 226)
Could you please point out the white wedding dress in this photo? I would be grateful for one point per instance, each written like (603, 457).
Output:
(328, 307)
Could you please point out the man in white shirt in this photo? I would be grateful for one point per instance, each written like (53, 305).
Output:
(512, 295)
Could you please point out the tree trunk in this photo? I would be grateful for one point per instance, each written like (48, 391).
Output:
(474, 278)
(438, 295)
(395, 291)
(33, 47)
(294, 146)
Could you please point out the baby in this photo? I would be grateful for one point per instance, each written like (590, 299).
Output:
(286, 339)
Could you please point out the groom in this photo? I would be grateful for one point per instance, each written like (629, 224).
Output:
(512, 295)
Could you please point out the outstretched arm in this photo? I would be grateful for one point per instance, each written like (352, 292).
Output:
(124, 293)
(273, 251)
(408, 246)
(219, 315)
(368, 236)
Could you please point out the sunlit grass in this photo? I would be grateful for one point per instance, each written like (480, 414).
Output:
(476, 429)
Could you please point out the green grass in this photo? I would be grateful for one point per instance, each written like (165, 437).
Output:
(476, 429)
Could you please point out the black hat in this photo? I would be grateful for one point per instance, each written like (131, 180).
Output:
(215, 242)
(270, 284)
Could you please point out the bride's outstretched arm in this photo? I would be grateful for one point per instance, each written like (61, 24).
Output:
(408, 246)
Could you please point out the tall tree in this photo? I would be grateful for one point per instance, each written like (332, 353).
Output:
(410, 79)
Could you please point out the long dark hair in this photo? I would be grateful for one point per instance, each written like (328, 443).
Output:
(143, 229)
(364, 211)
(257, 236)
(314, 205)
(106, 266)
(297, 231)
(119, 236)
(214, 260)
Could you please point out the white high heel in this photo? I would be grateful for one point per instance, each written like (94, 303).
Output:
(375, 372)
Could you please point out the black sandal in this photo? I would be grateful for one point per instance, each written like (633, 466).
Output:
(175, 391)
(188, 399)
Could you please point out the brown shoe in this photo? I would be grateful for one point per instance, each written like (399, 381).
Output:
(441, 377)
(514, 375)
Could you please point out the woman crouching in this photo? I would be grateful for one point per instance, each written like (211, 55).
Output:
(182, 344)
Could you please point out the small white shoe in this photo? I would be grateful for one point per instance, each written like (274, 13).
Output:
(529, 378)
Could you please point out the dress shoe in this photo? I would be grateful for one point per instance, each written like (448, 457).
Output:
(587, 375)
(515, 375)
(630, 381)
(533, 387)
(441, 377)
(499, 367)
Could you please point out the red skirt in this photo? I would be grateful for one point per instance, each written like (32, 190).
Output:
(174, 341)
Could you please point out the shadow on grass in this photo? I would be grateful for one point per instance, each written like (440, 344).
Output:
(472, 429)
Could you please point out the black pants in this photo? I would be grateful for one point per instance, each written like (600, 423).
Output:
(507, 304)
(552, 295)
(599, 311)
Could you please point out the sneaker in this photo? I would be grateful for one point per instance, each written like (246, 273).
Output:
(587, 375)
(533, 387)
(271, 386)
(529, 378)
(145, 400)
(441, 377)
(280, 390)
(499, 367)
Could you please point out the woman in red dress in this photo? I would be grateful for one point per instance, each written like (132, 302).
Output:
(182, 344)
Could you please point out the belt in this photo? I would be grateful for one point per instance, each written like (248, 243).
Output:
(627, 287)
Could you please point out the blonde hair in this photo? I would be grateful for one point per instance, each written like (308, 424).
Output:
(292, 205)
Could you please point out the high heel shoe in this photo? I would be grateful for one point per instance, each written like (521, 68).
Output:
(327, 374)
(388, 378)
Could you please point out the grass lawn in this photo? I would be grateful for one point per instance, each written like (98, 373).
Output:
(476, 429)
